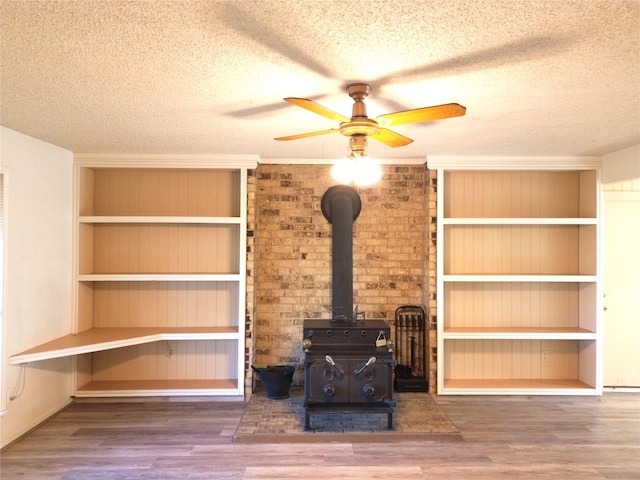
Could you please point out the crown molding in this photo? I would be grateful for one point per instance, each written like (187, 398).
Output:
(513, 163)
(331, 161)
(165, 161)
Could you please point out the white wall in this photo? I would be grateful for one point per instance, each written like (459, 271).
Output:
(37, 281)
(621, 165)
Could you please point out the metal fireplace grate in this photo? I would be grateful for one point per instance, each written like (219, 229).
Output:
(411, 349)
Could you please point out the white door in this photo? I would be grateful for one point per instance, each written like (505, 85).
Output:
(622, 289)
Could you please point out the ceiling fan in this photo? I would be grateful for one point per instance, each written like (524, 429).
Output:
(360, 126)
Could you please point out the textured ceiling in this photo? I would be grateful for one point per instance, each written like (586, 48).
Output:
(538, 78)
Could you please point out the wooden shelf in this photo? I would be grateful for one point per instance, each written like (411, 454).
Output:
(159, 255)
(519, 221)
(525, 333)
(159, 277)
(518, 279)
(98, 339)
(159, 219)
(144, 388)
(517, 387)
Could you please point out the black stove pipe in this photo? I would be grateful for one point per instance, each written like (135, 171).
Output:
(341, 206)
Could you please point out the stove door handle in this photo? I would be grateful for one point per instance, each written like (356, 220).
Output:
(334, 366)
(370, 362)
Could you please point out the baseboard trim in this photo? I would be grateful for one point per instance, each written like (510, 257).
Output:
(622, 389)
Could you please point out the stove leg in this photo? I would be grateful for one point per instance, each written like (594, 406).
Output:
(307, 420)
(390, 421)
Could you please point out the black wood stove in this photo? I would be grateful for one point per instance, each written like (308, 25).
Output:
(347, 365)
(349, 361)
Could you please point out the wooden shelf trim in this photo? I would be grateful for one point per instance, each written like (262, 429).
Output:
(159, 277)
(516, 333)
(517, 386)
(158, 219)
(98, 339)
(518, 221)
(521, 278)
(169, 387)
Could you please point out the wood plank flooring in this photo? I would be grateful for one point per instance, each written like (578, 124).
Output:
(504, 437)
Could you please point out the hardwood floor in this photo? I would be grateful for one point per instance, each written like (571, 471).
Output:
(504, 437)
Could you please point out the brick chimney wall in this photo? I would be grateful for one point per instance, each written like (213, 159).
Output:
(289, 255)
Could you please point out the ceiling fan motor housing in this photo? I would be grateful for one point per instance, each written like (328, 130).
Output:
(359, 127)
(360, 123)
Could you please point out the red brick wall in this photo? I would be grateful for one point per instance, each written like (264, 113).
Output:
(289, 258)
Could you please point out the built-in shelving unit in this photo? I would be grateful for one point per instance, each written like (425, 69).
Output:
(519, 296)
(160, 271)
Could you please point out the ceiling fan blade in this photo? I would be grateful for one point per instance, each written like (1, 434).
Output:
(391, 138)
(424, 114)
(308, 134)
(262, 110)
(317, 108)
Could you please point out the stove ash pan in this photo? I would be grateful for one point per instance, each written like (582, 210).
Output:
(348, 365)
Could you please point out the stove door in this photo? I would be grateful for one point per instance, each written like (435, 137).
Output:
(326, 383)
(372, 383)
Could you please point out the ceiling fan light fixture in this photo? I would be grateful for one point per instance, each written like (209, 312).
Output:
(343, 170)
(366, 171)
(357, 168)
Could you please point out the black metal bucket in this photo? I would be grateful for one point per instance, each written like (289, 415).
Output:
(276, 380)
